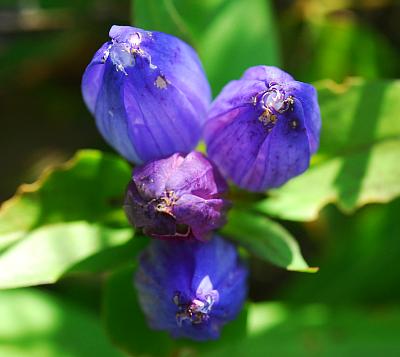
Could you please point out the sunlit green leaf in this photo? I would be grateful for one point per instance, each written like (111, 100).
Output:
(357, 162)
(37, 324)
(316, 330)
(69, 214)
(265, 239)
(47, 253)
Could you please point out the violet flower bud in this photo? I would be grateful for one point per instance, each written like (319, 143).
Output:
(191, 289)
(177, 197)
(148, 93)
(262, 129)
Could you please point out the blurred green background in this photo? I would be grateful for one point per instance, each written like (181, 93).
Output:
(349, 308)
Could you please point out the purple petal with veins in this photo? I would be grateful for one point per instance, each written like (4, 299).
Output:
(180, 197)
(262, 129)
(148, 93)
(191, 289)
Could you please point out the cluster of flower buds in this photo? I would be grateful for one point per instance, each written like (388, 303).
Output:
(151, 101)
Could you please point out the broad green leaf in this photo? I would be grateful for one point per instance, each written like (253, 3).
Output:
(128, 329)
(37, 324)
(69, 214)
(265, 239)
(275, 329)
(44, 255)
(230, 35)
(89, 187)
(358, 158)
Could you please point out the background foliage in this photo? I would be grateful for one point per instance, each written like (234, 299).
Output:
(67, 253)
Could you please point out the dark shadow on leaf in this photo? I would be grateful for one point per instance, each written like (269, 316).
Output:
(355, 161)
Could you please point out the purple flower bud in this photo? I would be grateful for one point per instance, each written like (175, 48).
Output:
(191, 289)
(177, 197)
(262, 129)
(148, 93)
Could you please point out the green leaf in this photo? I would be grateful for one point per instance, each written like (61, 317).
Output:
(128, 329)
(37, 324)
(69, 214)
(43, 256)
(358, 158)
(228, 41)
(275, 329)
(265, 239)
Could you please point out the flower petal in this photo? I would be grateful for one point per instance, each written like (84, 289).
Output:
(173, 275)
(153, 94)
(160, 118)
(198, 176)
(285, 153)
(93, 77)
(234, 140)
(267, 74)
(110, 113)
(202, 215)
(151, 178)
(236, 94)
(307, 95)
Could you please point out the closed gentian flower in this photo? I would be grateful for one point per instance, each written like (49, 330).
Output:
(148, 93)
(177, 197)
(262, 129)
(190, 288)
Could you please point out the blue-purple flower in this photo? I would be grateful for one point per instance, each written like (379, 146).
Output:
(262, 129)
(148, 93)
(191, 288)
(177, 197)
